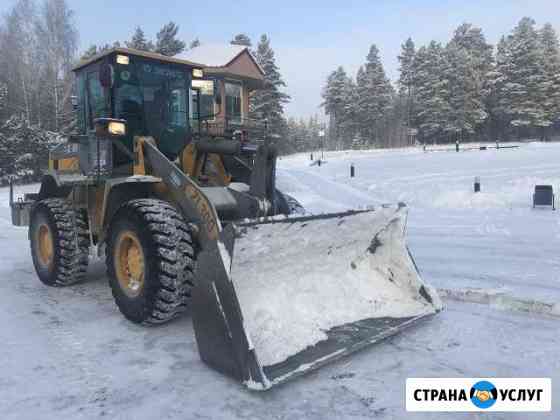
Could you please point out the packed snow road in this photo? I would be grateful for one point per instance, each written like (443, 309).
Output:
(68, 353)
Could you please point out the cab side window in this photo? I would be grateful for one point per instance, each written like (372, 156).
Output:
(96, 103)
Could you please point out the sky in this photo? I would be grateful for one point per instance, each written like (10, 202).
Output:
(310, 38)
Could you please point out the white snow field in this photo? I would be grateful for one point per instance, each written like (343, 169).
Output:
(67, 353)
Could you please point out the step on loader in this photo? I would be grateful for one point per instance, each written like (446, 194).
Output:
(189, 216)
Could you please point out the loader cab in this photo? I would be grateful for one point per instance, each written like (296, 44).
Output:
(149, 92)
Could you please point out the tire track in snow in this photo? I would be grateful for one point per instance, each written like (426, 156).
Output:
(319, 194)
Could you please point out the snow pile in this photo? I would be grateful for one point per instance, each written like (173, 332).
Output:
(213, 55)
(295, 281)
(501, 299)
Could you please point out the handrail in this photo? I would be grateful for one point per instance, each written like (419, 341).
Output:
(249, 129)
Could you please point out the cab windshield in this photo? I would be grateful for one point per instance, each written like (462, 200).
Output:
(153, 99)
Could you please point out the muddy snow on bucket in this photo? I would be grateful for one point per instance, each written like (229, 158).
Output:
(299, 280)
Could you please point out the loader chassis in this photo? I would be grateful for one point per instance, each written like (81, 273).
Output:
(136, 143)
(166, 204)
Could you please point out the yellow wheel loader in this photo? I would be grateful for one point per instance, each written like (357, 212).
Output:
(187, 218)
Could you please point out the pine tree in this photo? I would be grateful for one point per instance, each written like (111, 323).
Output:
(432, 91)
(314, 139)
(292, 134)
(241, 39)
(194, 43)
(167, 42)
(550, 50)
(406, 78)
(494, 87)
(139, 41)
(94, 50)
(522, 93)
(268, 102)
(335, 102)
(302, 135)
(375, 96)
(90, 52)
(24, 148)
(351, 114)
(472, 40)
(406, 60)
(469, 44)
(465, 100)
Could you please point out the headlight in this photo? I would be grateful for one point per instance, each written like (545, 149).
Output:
(123, 59)
(116, 128)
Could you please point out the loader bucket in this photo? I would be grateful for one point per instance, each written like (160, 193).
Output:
(277, 298)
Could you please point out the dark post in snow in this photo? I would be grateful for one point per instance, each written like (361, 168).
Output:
(319, 162)
(311, 156)
(476, 184)
(352, 171)
(457, 146)
(11, 181)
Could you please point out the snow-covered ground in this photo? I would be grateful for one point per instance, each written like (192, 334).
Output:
(491, 240)
(68, 353)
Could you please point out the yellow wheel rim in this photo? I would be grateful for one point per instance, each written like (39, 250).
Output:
(45, 245)
(129, 263)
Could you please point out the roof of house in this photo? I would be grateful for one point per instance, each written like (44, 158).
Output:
(217, 55)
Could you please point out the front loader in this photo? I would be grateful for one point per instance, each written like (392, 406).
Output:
(187, 218)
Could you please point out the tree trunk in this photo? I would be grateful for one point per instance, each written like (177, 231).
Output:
(26, 99)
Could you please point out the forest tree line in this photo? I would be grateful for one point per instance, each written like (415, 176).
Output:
(465, 90)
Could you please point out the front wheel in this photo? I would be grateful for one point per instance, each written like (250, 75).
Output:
(150, 261)
(286, 204)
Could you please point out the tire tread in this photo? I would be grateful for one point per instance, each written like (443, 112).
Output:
(172, 247)
(71, 241)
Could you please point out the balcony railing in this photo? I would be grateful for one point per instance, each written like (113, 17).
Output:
(247, 129)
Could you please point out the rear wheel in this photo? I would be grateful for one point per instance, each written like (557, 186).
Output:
(150, 261)
(59, 242)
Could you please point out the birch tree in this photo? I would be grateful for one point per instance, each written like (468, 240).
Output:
(57, 46)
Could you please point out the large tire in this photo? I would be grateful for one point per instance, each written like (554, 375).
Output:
(150, 261)
(286, 204)
(59, 241)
